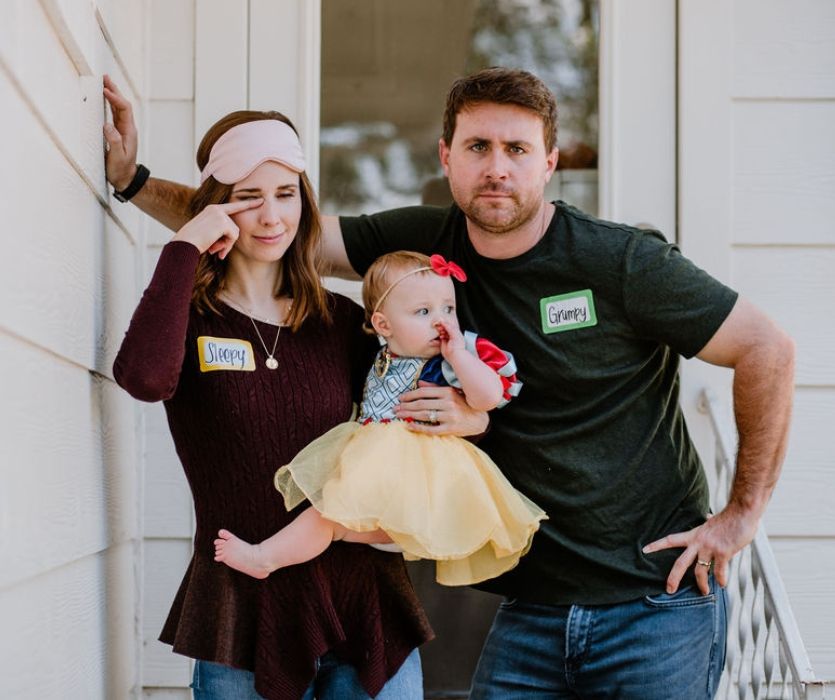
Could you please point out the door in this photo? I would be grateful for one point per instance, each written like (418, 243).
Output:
(386, 68)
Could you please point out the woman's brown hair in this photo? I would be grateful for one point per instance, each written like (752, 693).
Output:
(301, 265)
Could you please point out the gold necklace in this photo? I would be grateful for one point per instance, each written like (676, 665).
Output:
(271, 362)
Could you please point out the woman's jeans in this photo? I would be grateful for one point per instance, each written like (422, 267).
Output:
(656, 648)
(334, 680)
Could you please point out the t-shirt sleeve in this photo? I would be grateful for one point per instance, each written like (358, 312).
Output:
(410, 228)
(668, 298)
(362, 346)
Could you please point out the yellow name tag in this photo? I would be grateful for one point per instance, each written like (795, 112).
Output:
(225, 353)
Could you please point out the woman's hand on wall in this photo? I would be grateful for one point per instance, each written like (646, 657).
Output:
(122, 142)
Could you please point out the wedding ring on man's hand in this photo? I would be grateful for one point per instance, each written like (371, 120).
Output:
(433, 416)
(702, 562)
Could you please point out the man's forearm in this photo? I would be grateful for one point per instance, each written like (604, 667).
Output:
(763, 391)
(165, 201)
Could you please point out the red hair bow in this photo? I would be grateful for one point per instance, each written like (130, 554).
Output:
(446, 269)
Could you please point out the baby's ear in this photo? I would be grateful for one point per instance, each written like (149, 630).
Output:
(380, 324)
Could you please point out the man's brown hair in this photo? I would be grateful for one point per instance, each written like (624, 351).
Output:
(504, 86)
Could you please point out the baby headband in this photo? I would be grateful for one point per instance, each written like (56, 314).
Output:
(244, 147)
(437, 264)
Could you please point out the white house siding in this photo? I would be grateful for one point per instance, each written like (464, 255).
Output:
(69, 478)
(757, 177)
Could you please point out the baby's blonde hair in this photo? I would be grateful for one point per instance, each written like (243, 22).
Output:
(383, 273)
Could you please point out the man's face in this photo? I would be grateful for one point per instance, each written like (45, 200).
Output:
(497, 165)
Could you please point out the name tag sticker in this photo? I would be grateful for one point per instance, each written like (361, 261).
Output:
(225, 353)
(567, 312)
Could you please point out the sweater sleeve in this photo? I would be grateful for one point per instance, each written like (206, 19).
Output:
(151, 357)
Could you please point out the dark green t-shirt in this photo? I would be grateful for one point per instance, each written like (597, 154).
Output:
(596, 315)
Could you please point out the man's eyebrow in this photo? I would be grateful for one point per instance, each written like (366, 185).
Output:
(512, 142)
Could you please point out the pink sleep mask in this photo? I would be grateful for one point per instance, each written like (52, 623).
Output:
(244, 147)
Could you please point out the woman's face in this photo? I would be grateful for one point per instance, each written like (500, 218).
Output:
(267, 231)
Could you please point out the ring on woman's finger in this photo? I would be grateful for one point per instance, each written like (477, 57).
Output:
(702, 562)
(433, 416)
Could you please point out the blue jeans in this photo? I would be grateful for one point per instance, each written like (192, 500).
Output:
(656, 648)
(334, 680)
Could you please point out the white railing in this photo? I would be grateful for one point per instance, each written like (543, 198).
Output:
(766, 657)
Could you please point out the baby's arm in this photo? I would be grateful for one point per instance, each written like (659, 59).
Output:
(481, 385)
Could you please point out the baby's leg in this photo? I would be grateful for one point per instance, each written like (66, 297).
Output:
(302, 540)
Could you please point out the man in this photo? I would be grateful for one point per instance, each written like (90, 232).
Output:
(597, 315)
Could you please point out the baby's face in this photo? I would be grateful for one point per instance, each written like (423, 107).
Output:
(413, 310)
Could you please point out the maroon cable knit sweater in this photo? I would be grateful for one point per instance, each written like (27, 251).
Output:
(232, 430)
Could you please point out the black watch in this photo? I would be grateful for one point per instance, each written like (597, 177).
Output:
(139, 179)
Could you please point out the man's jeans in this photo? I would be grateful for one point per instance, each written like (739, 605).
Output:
(664, 647)
(334, 680)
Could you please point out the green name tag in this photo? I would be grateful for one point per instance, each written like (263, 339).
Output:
(566, 312)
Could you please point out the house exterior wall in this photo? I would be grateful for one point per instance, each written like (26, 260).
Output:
(70, 494)
(756, 178)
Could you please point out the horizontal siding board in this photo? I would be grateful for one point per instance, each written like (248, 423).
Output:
(54, 642)
(171, 50)
(53, 496)
(124, 25)
(171, 140)
(68, 102)
(802, 502)
(220, 60)
(116, 294)
(783, 48)
(795, 286)
(49, 292)
(171, 149)
(807, 567)
(168, 504)
(122, 485)
(166, 694)
(784, 172)
(165, 563)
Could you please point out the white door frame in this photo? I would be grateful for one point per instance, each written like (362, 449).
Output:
(637, 163)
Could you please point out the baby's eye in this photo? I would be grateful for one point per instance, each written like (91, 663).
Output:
(449, 309)
(422, 312)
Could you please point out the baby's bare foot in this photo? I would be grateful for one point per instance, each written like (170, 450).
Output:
(240, 555)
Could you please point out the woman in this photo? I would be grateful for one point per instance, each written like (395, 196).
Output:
(254, 359)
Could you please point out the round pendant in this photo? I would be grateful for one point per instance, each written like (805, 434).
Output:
(272, 363)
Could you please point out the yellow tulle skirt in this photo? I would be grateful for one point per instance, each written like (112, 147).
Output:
(438, 497)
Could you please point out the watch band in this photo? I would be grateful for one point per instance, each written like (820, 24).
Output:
(139, 179)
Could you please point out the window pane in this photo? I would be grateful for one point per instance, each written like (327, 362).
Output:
(386, 67)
